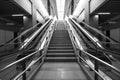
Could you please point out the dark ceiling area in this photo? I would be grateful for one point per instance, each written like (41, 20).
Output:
(112, 7)
(16, 19)
(8, 8)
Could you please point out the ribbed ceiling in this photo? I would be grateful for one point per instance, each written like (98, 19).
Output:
(7, 7)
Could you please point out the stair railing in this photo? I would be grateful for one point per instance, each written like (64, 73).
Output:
(108, 53)
(94, 47)
(80, 51)
(99, 32)
(43, 45)
(111, 55)
(41, 49)
(29, 39)
(21, 34)
(12, 43)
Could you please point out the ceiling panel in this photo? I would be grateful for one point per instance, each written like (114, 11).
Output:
(7, 7)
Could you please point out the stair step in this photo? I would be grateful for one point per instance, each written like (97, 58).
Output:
(60, 55)
(60, 42)
(60, 37)
(60, 48)
(60, 51)
(60, 59)
(60, 45)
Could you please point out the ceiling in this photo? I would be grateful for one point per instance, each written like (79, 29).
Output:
(7, 21)
(8, 7)
(113, 7)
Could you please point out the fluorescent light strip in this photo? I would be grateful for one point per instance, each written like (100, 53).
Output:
(104, 13)
(17, 15)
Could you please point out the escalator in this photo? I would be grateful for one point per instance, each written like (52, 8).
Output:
(98, 52)
(60, 62)
(8, 69)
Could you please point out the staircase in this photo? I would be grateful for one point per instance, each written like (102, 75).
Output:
(60, 48)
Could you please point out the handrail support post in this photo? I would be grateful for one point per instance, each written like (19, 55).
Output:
(96, 68)
(24, 67)
(96, 64)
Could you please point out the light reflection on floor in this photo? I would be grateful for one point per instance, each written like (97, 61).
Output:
(60, 71)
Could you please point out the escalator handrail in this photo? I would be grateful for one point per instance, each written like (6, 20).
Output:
(97, 31)
(48, 37)
(90, 36)
(99, 60)
(31, 64)
(39, 35)
(30, 38)
(106, 50)
(21, 34)
(76, 46)
(15, 62)
(96, 43)
(19, 60)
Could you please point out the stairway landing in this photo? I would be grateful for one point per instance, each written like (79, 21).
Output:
(60, 71)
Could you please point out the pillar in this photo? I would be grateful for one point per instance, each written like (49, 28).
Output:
(34, 15)
(16, 41)
(87, 11)
(72, 6)
(48, 5)
(107, 41)
(27, 22)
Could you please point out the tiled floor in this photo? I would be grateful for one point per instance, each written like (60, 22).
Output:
(60, 71)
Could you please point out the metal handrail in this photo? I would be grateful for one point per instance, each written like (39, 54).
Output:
(99, 60)
(38, 36)
(23, 33)
(10, 65)
(90, 36)
(29, 39)
(72, 37)
(97, 31)
(33, 62)
(15, 62)
(107, 64)
(101, 48)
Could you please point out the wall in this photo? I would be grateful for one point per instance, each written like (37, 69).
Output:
(89, 5)
(82, 16)
(25, 4)
(4, 37)
(53, 4)
(76, 3)
(67, 9)
(40, 18)
(37, 4)
(45, 3)
(81, 5)
(115, 34)
(94, 4)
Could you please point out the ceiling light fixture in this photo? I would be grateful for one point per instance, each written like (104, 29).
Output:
(11, 24)
(104, 13)
(17, 15)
